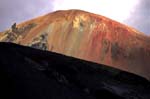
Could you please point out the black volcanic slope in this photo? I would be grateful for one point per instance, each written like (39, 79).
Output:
(28, 73)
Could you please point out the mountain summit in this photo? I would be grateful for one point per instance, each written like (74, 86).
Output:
(86, 36)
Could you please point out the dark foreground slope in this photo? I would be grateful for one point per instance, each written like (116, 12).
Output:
(28, 73)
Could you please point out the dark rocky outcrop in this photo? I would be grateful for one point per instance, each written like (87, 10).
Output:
(28, 73)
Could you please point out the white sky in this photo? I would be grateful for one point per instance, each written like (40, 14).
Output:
(119, 10)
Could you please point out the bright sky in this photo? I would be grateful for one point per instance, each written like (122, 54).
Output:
(118, 10)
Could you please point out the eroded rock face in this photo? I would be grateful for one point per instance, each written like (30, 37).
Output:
(40, 42)
(15, 34)
(90, 37)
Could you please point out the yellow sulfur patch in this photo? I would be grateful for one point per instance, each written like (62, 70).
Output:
(77, 20)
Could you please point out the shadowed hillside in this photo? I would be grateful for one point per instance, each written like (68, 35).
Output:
(28, 73)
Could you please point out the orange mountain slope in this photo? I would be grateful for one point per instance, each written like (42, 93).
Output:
(86, 36)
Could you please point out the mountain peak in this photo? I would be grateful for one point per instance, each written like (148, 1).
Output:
(86, 36)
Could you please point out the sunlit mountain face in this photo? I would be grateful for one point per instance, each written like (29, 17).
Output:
(85, 36)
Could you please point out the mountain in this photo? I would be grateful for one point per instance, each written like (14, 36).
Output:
(85, 36)
(28, 73)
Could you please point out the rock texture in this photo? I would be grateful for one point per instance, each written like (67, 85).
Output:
(28, 73)
(86, 36)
